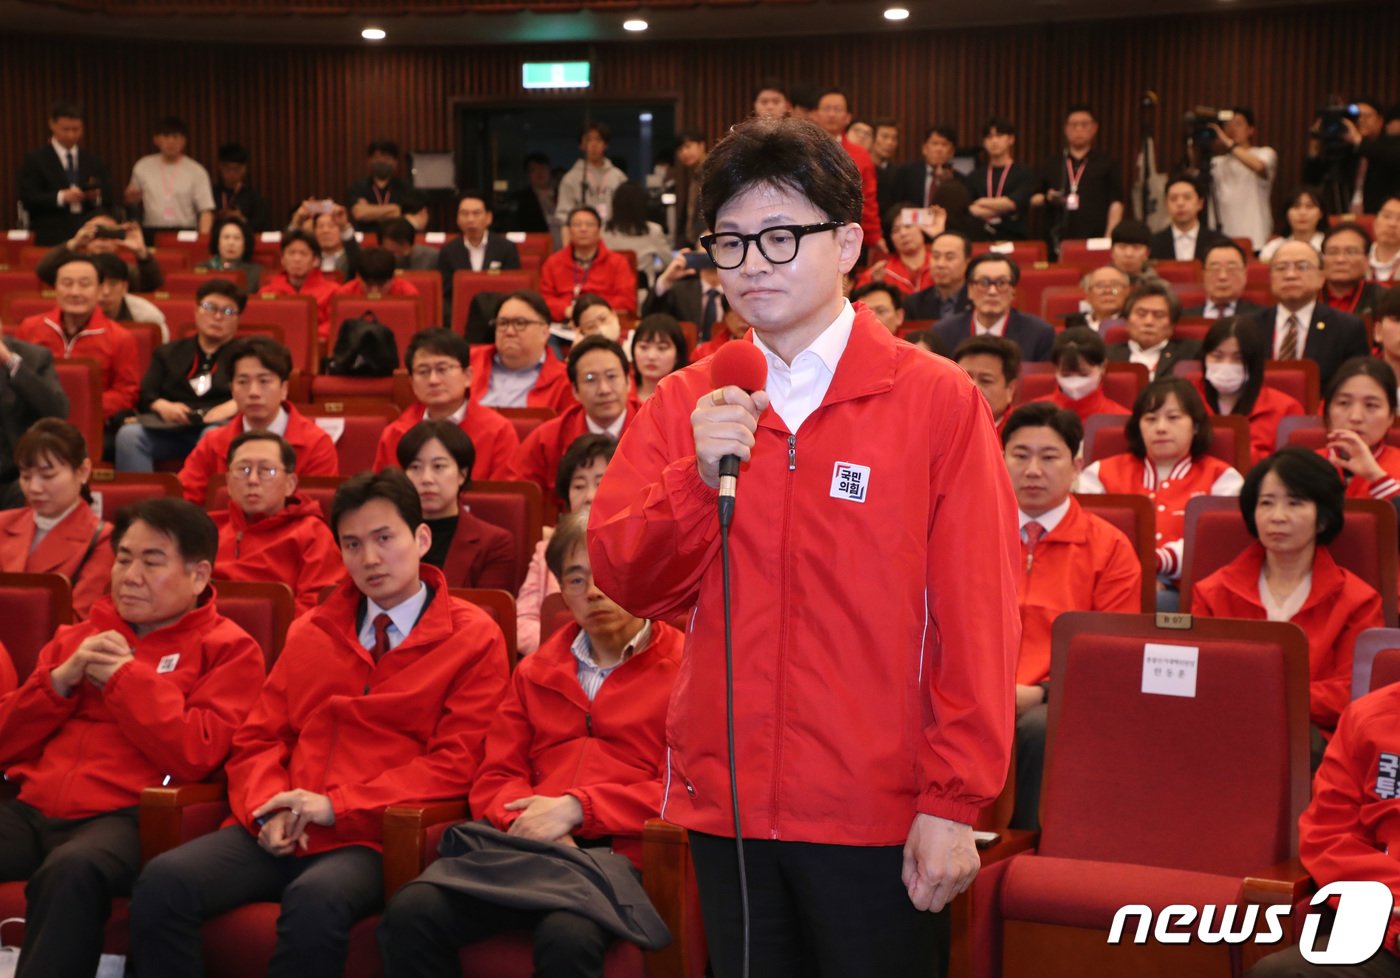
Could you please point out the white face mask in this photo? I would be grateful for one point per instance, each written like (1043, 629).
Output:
(1077, 387)
(1227, 378)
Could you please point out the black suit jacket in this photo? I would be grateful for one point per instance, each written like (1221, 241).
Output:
(41, 177)
(1163, 248)
(32, 393)
(1032, 334)
(1243, 307)
(528, 214)
(1333, 338)
(453, 257)
(1175, 350)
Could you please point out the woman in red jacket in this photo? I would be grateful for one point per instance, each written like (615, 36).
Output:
(1360, 407)
(575, 757)
(1078, 354)
(1232, 357)
(57, 531)
(1292, 505)
(437, 457)
(1168, 434)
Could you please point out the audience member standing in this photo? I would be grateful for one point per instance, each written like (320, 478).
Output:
(62, 184)
(1084, 187)
(172, 190)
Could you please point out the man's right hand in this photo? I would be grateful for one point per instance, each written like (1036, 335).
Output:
(171, 411)
(132, 195)
(107, 648)
(275, 834)
(723, 423)
(73, 195)
(84, 236)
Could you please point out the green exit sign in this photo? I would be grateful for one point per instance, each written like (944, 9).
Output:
(554, 74)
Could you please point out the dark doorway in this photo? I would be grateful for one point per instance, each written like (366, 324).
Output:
(494, 139)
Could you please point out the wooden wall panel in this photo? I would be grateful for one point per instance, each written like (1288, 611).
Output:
(306, 113)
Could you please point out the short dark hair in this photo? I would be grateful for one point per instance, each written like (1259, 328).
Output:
(1229, 244)
(769, 85)
(660, 324)
(376, 266)
(217, 229)
(105, 264)
(51, 438)
(895, 299)
(1314, 194)
(1185, 178)
(1306, 475)
(690, 136)
(1152, 397)
(65, 110)
(992, 346)
(390, 485)
(585, 209)
(399, 229)
(790, 153)
(284, 447)
(581, 453)
(929, 338)
(805, 95)
(1084, 107)
(1000, 124)
(1043, 414)
(942, 129)
(532, 299)
(534, 158)
(437, 339)
(570, 534)
(584, 302)
(1076, 346)
(1245, 113)
(1148, 289)
(171, 125)
(1253, 353)
(457, 442)
(587, 345)
(966, 241)
(267, 351)
(223, 287)
(292, 237)
(1373, 367)
(386, 146)
(471, 193)
(1346, 227)
(233, 153)
(987, 257)
(884, 122)
(603, 130)
(1387, 304)
(189, 526)
(834, 90)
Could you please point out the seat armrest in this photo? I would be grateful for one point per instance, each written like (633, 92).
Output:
(1011, 842)
(165, 810)
(669, 879)
(1283, 884)
(405, 839)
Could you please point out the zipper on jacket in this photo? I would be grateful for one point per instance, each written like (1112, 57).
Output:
(588, 723)
(238, 545)
(782, 640)
(792, 452)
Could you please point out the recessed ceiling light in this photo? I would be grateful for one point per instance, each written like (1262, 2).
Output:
(896, 13)
(634, 25)
(373, 34)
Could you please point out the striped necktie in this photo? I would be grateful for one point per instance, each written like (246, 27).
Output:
(1288, 349)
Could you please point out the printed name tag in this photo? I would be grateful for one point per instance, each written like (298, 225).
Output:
(1387, 775)
(335, 427)
(187, 236)
(435, 237)
(1169, 670)
(850, 481)
(168, 663)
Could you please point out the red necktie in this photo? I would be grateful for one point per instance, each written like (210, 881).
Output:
(1034, 531)
(381, 635)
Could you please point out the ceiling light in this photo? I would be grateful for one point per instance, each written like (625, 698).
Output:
(373, 34)
(896, 13)
(634, 25)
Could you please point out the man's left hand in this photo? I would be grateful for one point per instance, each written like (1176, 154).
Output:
(940, 861)
(306, 807)
(545, 818)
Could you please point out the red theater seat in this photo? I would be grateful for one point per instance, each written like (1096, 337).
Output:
(526, 419)
(113, 490)
(263, 609)
(355, 425)
(1375, 661)
(81, 379)
(1132, 515)
(467, 285)
(1104, 436)
(517, 508)
(500, 605)
(33, 607)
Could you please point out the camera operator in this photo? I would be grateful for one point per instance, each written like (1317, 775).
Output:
(1243, 178)
(1353, 155)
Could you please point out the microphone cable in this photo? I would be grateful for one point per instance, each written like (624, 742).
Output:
(729, 720)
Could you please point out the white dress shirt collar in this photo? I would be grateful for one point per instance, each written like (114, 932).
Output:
(613, 431)
(402, 617)
(1048, 520)
(1305, 316)
(796, 391)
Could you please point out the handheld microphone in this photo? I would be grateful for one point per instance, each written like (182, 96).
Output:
(739, 365)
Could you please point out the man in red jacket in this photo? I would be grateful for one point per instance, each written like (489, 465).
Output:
(586, 265)
(381, 696)
(76, 327)
(834, 115)
(440, 363)
(151, 687)
(575, 757)
(598, 372)
(517, 370)
(259, 367)
(874, 578)
(268, 533)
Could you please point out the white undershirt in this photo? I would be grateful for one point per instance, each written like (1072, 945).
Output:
(1283, 610)
(796, 391)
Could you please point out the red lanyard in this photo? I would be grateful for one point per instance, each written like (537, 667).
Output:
(1352, 303)
(1006, 172)
(1075, 175)
(381, 196)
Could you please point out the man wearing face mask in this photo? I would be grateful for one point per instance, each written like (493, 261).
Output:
(1079, 355)
(380, 197)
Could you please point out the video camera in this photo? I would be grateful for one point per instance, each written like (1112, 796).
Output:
(1331, 121)
(1198, 121)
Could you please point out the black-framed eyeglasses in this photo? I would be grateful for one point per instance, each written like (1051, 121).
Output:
(778, 244)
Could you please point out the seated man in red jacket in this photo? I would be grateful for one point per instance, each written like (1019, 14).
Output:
(151, 687)
(586, 265)
(1348, 832)
(259, 367)
(268, 533)
(575, 756)
(1072, 561)
(376, 279)
(301, 275)
(382, 696)
(517, 370)
(440, 363)
(598, 372)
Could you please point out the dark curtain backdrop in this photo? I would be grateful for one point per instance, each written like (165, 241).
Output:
(306, 113)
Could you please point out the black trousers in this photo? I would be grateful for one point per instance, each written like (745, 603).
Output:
(1289, 963)
(322, 897)
(74, 868)
(815, 910)
(425, 925)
